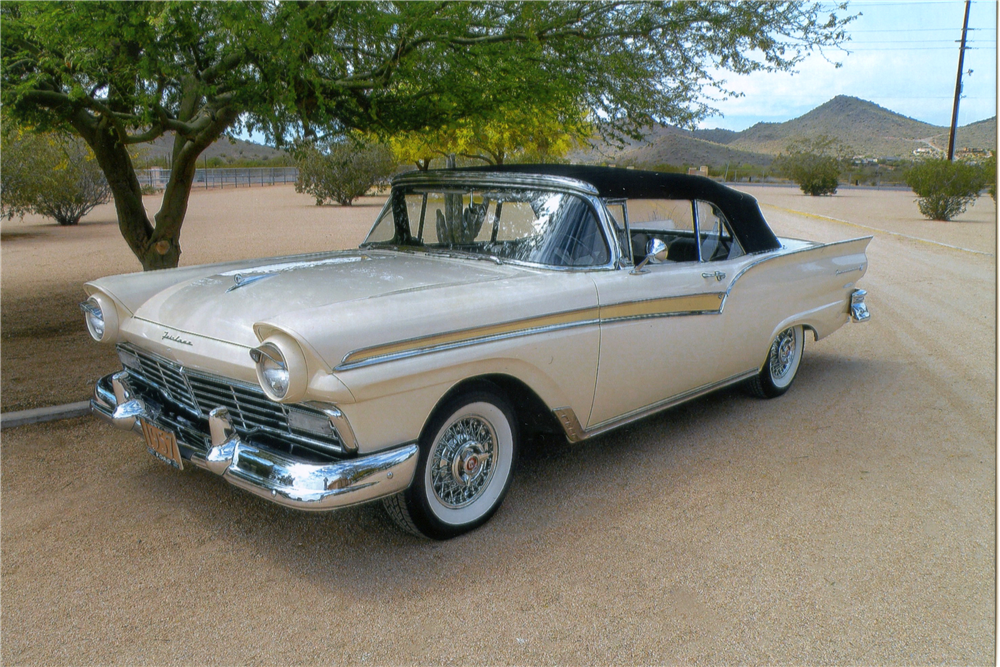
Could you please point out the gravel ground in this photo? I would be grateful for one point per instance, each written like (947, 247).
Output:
(850, 521)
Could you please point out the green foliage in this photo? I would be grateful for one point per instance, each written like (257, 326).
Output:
(48, 174)
(532, 133)
(342, 171)
(815, 174)
(990, 175)
(814, 164)
(124, 73)
(945, 189)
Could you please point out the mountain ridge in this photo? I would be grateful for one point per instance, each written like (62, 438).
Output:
(865, 127)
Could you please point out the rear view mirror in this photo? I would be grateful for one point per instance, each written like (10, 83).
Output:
(656, 250)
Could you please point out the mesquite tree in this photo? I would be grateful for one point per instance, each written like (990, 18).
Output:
(120, 73)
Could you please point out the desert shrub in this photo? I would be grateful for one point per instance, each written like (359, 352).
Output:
(342, 171)
(815, 174)
(990, 175)
(50, 175)
(945, 189)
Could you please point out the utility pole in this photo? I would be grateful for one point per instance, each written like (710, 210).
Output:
(958, 84)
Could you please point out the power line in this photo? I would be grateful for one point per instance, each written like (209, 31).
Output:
(925, 41)
(923, 30)
(916, 48)
(911, 3)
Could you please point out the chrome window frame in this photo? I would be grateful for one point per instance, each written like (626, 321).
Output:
(725, 222)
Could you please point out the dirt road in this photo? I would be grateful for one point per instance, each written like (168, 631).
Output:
(850, 521)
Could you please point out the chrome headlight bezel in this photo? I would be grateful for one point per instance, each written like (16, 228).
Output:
(101, 318)
(281, 369)
(272, 370)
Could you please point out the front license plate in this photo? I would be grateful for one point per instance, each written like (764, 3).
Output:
(162, 444)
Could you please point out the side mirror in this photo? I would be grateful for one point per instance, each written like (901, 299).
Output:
(656, 249)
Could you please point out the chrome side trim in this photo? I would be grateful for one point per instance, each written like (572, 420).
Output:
(693, 304)
(395, 356)
(571, 425)
(575, 433)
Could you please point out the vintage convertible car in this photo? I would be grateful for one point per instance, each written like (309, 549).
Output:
(485, 305)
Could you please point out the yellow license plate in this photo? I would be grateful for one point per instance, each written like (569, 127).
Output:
(162, 444)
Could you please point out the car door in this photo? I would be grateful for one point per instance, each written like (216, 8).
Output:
(663, 331)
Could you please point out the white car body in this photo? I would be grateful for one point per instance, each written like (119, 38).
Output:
(378, 339)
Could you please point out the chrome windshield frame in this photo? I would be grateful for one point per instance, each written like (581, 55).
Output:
(559, 184)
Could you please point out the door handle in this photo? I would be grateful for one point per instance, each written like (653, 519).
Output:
(718, 275)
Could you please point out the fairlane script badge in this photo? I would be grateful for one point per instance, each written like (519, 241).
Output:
(177, 339)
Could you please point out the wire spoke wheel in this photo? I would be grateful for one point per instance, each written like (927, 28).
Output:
(782, 364)
(783, 354)
(467, 453)
(462, 462)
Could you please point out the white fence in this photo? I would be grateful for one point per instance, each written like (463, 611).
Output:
(238, 177)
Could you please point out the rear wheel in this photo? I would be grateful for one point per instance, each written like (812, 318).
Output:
(467, 454)
(782, 364)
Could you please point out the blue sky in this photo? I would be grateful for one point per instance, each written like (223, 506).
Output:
(902, 56)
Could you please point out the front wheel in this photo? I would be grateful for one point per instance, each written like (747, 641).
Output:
(467, 454)
(782, 364)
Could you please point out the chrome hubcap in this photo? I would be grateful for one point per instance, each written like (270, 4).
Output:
(782, 353)
(462, 463)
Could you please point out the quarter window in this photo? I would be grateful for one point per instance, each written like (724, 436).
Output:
(714, 236)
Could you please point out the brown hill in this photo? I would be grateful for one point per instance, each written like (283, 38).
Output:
(229, 150)
(668, 145)
(974, 135)
(864, 126)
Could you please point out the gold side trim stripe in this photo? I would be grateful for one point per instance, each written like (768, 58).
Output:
(488, 331)
(678, 305)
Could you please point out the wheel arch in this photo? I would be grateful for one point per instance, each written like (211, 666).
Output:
(790, 322)
(530, 411)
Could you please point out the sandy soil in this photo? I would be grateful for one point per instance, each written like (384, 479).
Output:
(850, 521)
(47, 356)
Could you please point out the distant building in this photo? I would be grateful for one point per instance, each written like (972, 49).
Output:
(701, 171)
(967, 153)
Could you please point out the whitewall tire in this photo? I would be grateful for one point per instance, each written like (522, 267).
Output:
(782, 364)
(467, 454)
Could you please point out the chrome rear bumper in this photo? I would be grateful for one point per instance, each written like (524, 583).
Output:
(859, 309)
(266, 473)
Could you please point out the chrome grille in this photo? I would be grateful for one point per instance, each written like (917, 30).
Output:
(199, 393)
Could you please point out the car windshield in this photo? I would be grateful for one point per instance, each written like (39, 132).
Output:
(526, 225)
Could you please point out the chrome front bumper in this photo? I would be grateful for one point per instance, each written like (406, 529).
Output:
(266, 473)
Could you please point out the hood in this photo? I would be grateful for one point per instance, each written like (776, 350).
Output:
(226, 304)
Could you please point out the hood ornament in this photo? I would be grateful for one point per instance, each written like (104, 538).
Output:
(242, 280)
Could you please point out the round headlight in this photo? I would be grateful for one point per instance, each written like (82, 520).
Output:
(273, 370)
(281, 368)
(101, 317)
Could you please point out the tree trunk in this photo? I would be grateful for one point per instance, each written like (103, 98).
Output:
(156, 247)
(114, 160)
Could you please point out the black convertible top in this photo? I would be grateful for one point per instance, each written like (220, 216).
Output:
(739, 208)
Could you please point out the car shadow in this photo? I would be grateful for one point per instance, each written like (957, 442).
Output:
(556, 486)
